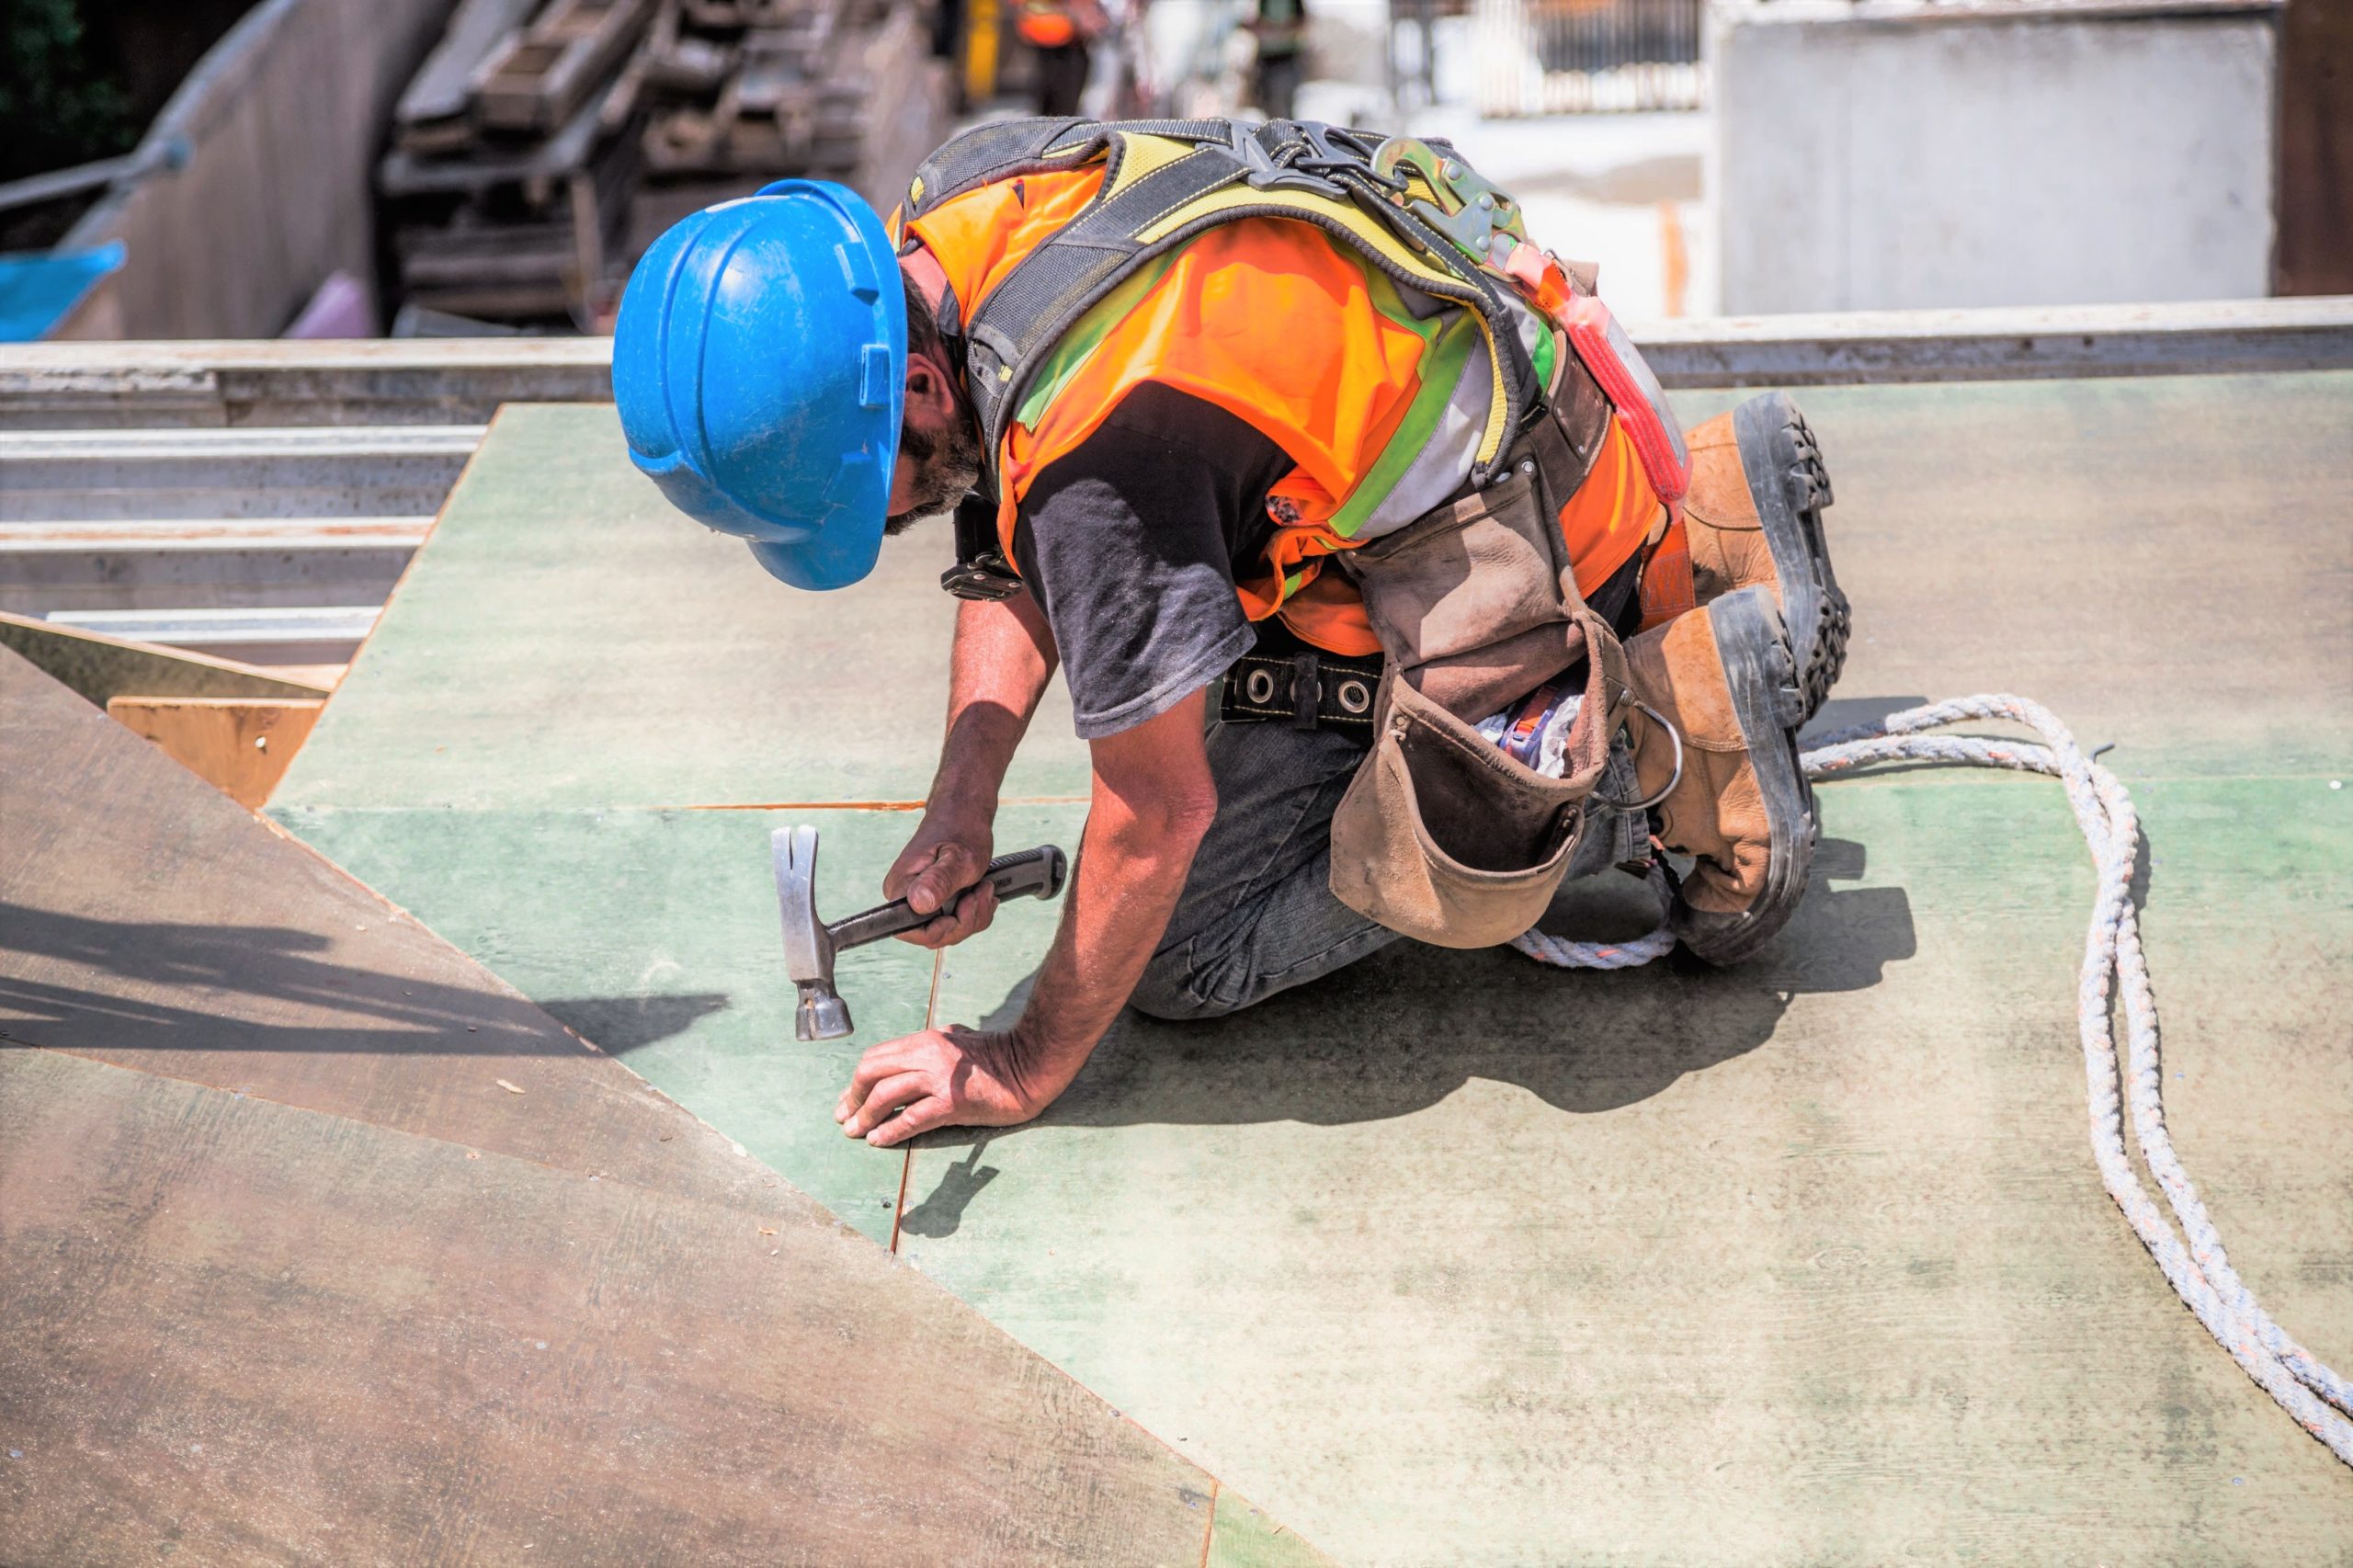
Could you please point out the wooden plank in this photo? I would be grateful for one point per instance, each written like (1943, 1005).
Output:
(437, 100)
(240, 745)
(320, 1243)
(445, 380)
(534, 80)
(2314, 200)
(2006, 344)
(100, 668)
(243, 1331)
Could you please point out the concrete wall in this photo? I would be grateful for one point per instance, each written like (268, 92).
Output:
(284, 118)
(1887, 155)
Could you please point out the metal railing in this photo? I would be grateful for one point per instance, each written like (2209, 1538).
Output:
(1589, 56)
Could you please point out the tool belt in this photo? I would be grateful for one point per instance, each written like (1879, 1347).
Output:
(1442, 837)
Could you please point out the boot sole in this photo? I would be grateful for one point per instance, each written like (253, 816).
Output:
(1761, 672)
(1791, 485)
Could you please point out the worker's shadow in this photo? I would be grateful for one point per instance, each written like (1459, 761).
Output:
(71, 980)
(1409, 1025)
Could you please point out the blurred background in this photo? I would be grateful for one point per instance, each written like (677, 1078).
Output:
(355, 168)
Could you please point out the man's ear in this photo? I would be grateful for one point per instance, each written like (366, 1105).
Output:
(930, 391)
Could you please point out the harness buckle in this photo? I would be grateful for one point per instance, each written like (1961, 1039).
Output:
(981, 571)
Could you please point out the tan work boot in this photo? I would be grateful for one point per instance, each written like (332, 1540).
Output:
(1721, 681)
(1753, 517)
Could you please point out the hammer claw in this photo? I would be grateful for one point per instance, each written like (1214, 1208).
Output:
(807, 950)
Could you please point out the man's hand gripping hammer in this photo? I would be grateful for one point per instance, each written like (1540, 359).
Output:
(810, 944)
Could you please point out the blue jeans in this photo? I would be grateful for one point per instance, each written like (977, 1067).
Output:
(1258, 914)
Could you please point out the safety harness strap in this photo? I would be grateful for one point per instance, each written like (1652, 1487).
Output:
(1134, 220)
(1004, 149)
(1051, 287)
(1309, 690)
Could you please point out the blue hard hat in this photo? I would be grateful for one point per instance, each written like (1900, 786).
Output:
(760, 367)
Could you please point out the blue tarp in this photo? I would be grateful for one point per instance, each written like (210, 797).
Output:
(38, 288)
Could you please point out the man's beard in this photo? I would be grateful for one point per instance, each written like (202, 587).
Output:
(947, 468)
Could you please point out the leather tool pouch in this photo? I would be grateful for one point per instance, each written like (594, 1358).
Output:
(1441, 837)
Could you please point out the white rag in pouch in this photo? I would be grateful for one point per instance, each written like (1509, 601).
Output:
(1552, 750)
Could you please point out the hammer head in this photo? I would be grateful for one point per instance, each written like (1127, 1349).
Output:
(808, 947)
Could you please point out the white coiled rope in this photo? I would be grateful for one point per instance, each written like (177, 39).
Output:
(2198, 1269)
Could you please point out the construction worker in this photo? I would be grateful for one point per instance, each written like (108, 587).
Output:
(1279, 32)
(1284, 406)
(1061, 34)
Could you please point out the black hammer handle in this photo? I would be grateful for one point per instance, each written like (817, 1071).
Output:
(1038, 873)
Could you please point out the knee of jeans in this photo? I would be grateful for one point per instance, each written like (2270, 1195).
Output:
(1174, 989)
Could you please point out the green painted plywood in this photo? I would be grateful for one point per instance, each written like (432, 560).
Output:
(2162, 560)
(1453, 1259)
(1247, 1538)
(1456, 1259)
(2165, 563)
(566, 639)
(657, 935)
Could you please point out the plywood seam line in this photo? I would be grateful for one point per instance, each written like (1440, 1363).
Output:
(2198, 1269)
(907, 1164)
(399, 913)
(1209, 1529)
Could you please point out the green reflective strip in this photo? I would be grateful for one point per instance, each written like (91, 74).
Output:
(1547, 353)
(1448, 341)
(1088, 334)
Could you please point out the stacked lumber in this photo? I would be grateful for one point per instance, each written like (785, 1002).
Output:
(543, 142)
(748, 88)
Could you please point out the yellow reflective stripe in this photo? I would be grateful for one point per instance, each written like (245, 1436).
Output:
(1491, 444)
(1368, 232)
(1141, 155)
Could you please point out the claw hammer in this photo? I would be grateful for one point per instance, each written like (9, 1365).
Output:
(810, 944)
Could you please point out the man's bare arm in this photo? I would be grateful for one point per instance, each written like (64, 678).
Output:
(1152, 801)
(1004, 657)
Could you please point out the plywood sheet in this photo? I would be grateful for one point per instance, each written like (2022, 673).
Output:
(1451, 1259)
(1456, 1259)
(320, 1243)
(2149, 556)
(241, 1331)
(240, 745)
(567, 639)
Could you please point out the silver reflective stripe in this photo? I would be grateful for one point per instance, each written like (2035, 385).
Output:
(1443, 464)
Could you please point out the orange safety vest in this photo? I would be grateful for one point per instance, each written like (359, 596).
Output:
(1380, 404)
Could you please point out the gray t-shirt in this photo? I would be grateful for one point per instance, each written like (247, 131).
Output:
(1129, 541)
